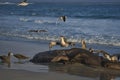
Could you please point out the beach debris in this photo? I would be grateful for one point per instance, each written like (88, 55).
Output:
(20, 57)
(23, 3)
(37, 31)
(63, 43)
(6, 59)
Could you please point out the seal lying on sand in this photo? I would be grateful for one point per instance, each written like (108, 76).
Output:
(74, 55)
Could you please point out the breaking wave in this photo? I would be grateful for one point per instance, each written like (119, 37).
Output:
(43, 36)
(4, 3)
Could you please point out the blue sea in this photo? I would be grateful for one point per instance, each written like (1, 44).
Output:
(97, 24)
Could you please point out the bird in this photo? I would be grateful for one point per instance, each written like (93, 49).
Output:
(6, 59)
(20, 57)
(83, 44)
(63, 43)
(23, 3)
(63, 18)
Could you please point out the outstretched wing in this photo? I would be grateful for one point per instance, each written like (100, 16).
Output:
(63, 18)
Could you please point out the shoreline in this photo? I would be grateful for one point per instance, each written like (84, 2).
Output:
(109, 48)
(29, 47)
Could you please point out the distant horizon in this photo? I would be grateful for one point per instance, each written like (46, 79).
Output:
(63, 2)
(66, 1)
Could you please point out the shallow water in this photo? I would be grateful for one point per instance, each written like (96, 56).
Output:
(27, 67)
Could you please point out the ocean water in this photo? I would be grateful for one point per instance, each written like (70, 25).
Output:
(97, 24)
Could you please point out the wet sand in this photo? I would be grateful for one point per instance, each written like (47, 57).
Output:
(8, 74)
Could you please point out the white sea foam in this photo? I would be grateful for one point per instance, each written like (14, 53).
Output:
(24, 19)
(103, 41)
(4, 3)
(39, 21)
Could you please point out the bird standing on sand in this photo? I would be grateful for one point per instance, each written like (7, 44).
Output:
(63, 43)
(20, 57)
(6, 59)
(83, 44)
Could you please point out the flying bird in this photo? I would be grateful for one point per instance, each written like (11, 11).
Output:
(23, 3)
(63, 18)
